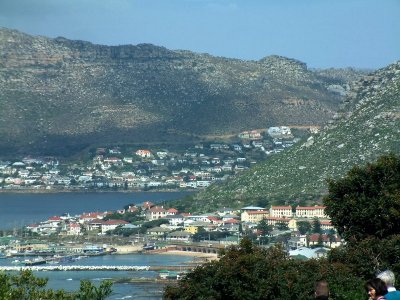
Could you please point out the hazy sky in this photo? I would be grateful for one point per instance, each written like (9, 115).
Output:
(321, 33)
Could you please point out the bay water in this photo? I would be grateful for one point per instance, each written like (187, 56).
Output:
(17, 210)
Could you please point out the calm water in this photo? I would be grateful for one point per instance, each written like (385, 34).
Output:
(17, 210)
(70, 280)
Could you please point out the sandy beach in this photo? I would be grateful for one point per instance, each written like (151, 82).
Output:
(129, 249)
(204, 256)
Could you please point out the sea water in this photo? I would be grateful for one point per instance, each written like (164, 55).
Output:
(70, 280)
(17, 210)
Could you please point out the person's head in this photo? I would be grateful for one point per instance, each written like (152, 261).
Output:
(387, 277)
(376, 288)
(321, 289)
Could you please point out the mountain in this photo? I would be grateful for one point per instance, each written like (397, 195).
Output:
(59, 96)
(367, 126)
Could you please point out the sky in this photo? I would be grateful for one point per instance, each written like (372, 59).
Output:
(321, 33)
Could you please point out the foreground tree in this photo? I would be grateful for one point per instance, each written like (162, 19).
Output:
(364, 206)
(28, 287)
(366, 202)
(249, 272)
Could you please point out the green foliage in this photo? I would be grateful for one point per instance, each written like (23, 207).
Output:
(152, 224)
(263, 228)
(366, 202)
(370, 256)
(304, 227)
(316, 226)
(365, 207)
(282, 226)
(130, 217)
(249, 272)
(88, 291)
(25, 286)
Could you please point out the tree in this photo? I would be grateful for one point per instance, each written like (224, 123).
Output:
(316, 226)
(88, 291)
(303, 227)
(28, 287)
(250, 272)
(282, 226)
(366, 202)
(264, 229)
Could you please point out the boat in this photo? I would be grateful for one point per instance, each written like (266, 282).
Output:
(35, 262)
(149, 247)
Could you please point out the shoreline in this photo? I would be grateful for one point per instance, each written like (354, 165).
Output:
(83, 191)
(132, 249)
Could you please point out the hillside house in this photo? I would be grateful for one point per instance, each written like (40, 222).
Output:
(254, 216)
(175, 220)
(326, 240)
(111, 225)
(182, 236)
(73, 229)
(279, 131)
(281, 211)
(289, 222)
(155, 213)
(310, 212)
(143, 153)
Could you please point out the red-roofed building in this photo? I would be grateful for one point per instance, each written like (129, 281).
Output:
(147, 205)
(132, 209)
(281, 211)
(232, 221)
(55, 220)
(326, 225)
(143, 153)
(214, 220)
(91, 216)
(155, 213)
(74, 229)
(111, 225)
(310, 211)
(291, 223)
(172, 211)
(33, 227)
(254, 216)
(327, 241)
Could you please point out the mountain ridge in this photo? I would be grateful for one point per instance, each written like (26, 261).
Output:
(60, 96)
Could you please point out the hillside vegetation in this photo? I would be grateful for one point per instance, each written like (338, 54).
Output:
(367, 126)
(59, 96)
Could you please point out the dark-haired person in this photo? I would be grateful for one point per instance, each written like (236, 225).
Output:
(389, 279)
(376, 289)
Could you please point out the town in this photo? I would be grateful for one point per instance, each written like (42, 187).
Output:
(133, 168)
(302, 230)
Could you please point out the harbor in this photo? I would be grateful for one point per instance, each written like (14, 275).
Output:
(96, 268)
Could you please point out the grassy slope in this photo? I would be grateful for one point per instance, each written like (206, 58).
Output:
(373, 129)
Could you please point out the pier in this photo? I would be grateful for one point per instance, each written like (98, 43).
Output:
(98, 268)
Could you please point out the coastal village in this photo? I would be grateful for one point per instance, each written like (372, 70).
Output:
(304, 231)
(151, 227)
(121, 168)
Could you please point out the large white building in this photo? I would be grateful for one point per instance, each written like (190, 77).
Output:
(316, 211)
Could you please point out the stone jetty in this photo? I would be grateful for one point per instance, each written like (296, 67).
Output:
(95, 268)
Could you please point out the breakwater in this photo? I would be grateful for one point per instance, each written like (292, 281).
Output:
(96, 268)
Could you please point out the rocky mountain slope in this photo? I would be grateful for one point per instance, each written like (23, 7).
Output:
(59, 96)
(367, 127)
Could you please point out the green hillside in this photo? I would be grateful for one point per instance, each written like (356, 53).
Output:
(370, 129)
